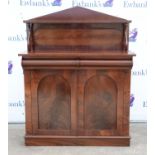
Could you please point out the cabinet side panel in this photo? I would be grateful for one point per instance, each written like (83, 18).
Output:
(100, 100)
(54, 103)
(126, 103)
(28, 102)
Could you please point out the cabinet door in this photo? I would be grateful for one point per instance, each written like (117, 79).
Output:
(53, 102)
(100, 102)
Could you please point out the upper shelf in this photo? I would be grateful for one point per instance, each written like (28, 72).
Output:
(77, 15)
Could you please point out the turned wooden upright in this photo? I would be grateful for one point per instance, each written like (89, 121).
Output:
(77, 79)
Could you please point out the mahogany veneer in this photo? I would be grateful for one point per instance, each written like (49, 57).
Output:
(77, 79)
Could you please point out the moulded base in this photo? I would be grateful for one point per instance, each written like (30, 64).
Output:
(42, 140)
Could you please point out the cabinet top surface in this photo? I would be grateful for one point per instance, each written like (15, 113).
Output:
(77, 15)
(86, 55)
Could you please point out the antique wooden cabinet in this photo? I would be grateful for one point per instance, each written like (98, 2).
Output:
(77, 79)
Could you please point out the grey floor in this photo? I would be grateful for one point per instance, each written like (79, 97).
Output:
(138, 144)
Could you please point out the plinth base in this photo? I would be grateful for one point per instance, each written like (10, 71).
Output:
(31, 140)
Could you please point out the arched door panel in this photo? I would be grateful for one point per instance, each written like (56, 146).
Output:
(100, 98)
(54, 105)
(100, 102)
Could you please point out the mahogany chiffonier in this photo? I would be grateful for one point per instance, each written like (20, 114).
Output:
(77, 79)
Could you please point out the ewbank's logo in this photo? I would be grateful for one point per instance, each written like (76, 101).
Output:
(135, 3)
(133, 35)
(132, 98)
(140, 72)
(10, 66)
(108, 3)
(92, 3)
(56, 3)
(40, 3)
